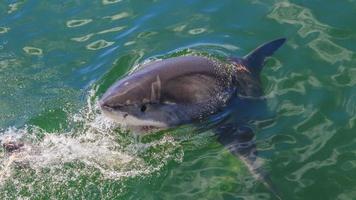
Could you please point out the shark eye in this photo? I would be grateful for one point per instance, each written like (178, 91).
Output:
(143, 108)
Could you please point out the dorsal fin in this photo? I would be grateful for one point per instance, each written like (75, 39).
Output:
(255, 60)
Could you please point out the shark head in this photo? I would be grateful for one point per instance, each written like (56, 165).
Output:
(135, 101)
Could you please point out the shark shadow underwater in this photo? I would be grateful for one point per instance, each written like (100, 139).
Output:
(190, 89)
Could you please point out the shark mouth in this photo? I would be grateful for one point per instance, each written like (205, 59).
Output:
(132, 122)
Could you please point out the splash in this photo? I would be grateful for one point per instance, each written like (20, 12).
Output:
(93, 145)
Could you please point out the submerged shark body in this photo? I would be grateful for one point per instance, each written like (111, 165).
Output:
(188, 89)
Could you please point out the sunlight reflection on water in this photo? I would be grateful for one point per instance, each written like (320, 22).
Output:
(52, 54)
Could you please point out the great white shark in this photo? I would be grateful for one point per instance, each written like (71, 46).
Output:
(188, 89)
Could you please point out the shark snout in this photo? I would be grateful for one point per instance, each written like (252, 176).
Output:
(108, 108)
(108, 103)
(105, 106)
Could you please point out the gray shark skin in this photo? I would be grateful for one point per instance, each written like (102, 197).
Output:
(170, 92)
(190, 89)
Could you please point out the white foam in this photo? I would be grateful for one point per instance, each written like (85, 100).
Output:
(93, 141)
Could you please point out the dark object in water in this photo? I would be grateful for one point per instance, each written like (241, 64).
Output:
(12, 145)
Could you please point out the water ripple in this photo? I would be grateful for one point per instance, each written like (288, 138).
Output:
(83, 38)
(77, 22)
(99, 44)
(348, 195)
(349, 104)
(76, 154)
(313, 165)
(179, 28)
(329, 51)
(318, 129)
(4, 30)
(129, 43)
(114, 29)
(288, 108)
(118, 16)
(197, 31)
(293, 83)
(108, 2)
(286, 12)
(346, 76)
(15, 6)
(33, 51)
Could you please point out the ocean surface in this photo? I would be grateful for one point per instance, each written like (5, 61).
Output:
(58, 57)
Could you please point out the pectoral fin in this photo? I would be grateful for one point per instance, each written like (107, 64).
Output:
(239, 140)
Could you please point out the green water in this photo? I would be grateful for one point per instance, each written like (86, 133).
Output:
(57, 59)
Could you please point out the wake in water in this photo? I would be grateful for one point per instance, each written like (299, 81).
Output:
(93, 145)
